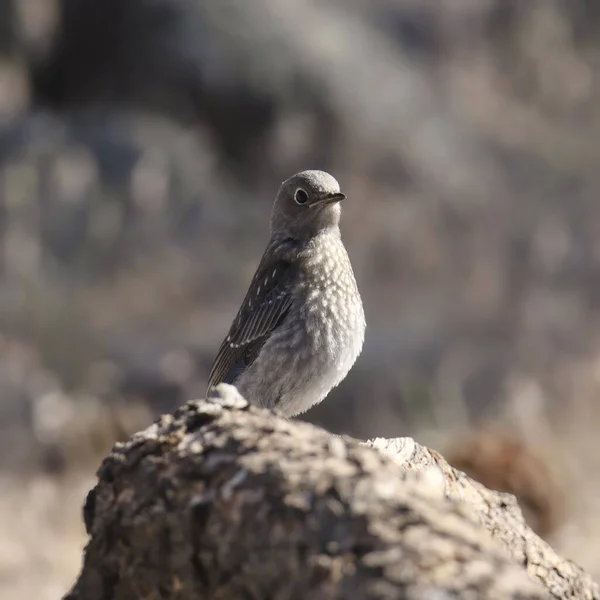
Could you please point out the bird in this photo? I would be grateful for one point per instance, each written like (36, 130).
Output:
(301, 325)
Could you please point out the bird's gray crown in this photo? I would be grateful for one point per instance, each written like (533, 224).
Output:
(306, 203)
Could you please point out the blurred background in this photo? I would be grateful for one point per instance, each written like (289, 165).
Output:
(141, 145)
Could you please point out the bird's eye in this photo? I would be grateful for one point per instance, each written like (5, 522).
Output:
(300, 196)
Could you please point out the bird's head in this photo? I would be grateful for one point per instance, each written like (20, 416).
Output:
(306, 204)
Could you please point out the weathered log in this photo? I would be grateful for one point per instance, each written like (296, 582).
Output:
(222, 500)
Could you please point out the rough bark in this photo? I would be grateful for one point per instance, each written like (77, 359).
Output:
(222, 500)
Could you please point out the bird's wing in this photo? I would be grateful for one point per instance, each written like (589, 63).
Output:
(265, 305)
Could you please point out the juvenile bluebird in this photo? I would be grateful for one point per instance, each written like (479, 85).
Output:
(301, 326)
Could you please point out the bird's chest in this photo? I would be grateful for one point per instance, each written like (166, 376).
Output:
(333, 318)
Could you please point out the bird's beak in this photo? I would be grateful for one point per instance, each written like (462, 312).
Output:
(329, 199)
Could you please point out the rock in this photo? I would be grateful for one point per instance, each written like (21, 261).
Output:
(225, 500)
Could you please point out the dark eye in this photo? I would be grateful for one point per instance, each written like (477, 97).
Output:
(300, 196)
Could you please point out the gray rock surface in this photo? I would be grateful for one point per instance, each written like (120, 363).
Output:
(223, 500)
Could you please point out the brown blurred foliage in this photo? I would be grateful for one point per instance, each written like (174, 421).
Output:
(502, 462)
(141, 144)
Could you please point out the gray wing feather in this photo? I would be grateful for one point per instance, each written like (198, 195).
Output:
(266, 303)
